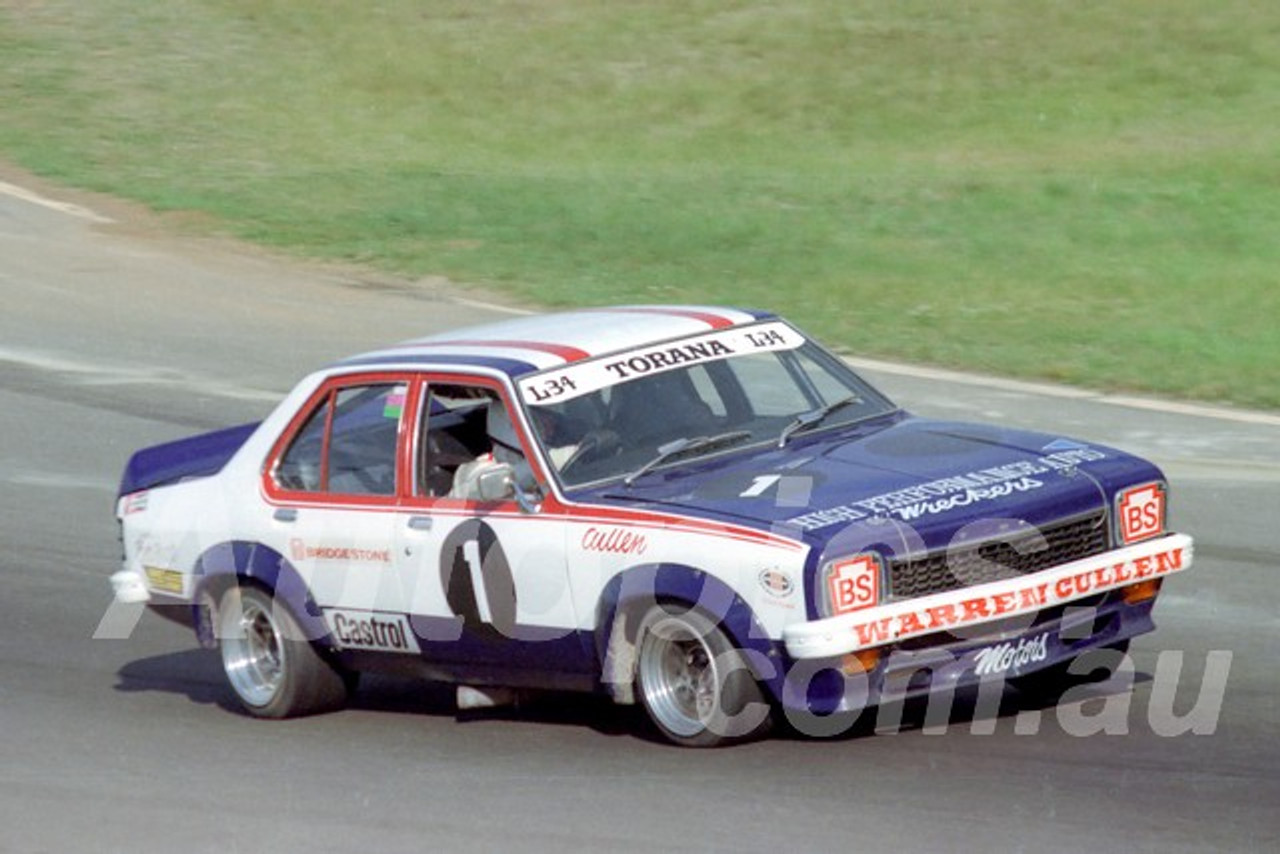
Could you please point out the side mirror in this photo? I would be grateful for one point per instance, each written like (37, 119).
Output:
(500, 484)
(496, 484)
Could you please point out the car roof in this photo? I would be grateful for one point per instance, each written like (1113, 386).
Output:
(539, 342)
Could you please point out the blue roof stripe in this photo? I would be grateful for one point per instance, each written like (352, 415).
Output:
(510, 367)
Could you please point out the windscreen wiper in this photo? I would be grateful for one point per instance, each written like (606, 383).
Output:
(814, 417)
(686, 445)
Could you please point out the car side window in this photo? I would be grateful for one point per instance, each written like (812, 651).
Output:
(454, 431)
(347, 445)
(300, 467)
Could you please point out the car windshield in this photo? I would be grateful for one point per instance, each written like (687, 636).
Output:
(614, 417)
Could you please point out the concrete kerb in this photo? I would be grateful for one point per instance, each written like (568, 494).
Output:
(1172, 407)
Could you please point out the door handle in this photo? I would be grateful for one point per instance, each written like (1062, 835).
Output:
(420, 523)
(285, 514)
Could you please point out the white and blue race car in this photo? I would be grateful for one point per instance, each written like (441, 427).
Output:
(698, 509)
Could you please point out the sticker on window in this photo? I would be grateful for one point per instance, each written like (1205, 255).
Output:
(587, 377)
(393, 406)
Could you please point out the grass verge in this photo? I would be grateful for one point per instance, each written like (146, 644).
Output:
(1084, 192)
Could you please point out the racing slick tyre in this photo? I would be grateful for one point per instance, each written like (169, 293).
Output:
(273, 670)
(696, 688)
(1093, 665)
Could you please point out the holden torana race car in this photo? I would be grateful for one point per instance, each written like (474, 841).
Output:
(696, 509)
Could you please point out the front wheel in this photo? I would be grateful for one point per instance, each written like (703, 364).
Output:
(696, 687)
(273, 670)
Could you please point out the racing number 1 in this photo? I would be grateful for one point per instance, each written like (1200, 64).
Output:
(471, 554)
(477, 579)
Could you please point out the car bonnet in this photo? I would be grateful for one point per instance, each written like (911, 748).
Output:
(933, 476)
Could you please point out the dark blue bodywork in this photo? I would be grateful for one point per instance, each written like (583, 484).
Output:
(848, 490)
(197, 456)
(846, 471)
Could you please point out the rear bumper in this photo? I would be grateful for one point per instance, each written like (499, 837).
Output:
(959, 611)
(130, 587)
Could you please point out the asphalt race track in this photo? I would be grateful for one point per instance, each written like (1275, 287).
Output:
(114, 336)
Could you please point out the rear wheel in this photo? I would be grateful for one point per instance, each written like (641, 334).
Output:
(695, 686)
(273, 670)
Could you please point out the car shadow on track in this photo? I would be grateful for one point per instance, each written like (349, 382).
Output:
(978, 711)
(197, 675)
(405, 695)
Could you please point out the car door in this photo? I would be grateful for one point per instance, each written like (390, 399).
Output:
(489, 580)
(334, 485)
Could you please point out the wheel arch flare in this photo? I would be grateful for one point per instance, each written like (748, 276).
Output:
(629, 594)
(240, 561)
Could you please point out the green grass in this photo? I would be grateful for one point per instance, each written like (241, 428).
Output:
(1083, 191)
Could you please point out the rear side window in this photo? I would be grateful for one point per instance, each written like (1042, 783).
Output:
(347, 444)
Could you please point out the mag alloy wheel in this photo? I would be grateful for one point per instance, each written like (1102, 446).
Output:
(695, 687)
(253, 648)
(678, 672)
(273, 670)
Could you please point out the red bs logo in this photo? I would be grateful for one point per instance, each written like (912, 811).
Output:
(853, 584)
(1141, 512)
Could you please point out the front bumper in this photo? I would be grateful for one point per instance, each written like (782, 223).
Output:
(958, 611)
(1093, 631)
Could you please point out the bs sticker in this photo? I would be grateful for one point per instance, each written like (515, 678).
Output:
(853, 583)
(1141, 512)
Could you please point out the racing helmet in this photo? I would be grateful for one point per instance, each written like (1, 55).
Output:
(500, 429)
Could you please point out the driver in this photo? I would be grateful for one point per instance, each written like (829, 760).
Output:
(505, 452)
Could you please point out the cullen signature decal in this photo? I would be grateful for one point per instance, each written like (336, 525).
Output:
(939, 496)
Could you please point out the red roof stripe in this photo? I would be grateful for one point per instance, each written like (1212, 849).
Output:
(715, 321)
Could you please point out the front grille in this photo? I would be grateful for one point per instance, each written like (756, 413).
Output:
(993, 560)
